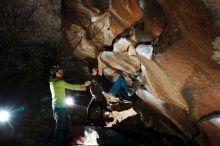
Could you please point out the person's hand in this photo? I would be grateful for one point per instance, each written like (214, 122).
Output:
(100, 59)
(87, 83)
(83, 88)
(100, 65)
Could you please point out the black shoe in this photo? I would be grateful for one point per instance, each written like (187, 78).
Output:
(131, 92)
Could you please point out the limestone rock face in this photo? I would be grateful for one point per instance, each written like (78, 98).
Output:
(82, 47)
(78, 12)
(157, 78)
(121, 109)
(101, 29)
(211, 127)
(191, 70)
(169, 111)
(110, 71)
(154, 19)
(75, 34)
(85, 49)
(216, 52)
(123, 45)
(214, 8)
(141, 36)
(197, 89)
(37, 22)
(124, 14)
(122, 62)
(178, 82)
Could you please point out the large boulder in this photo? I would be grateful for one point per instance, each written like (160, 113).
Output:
(123, 62)
(212, 130)
(123, 45)
(82, 47)
(101, 29)
(155, 20)
(170, 112)
(124, 14)
(120, 110)
(158, 81)
(140, 36)
(183, 78)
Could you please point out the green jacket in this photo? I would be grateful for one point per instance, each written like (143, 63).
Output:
(57, 88)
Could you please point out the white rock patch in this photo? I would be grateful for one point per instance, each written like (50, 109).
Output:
(122, 45)
(91, 136)
(150, 98)
(145, 50)
(216, 122)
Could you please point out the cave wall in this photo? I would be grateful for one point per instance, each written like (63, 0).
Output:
(27, 22)
(29, 31)
(31, 40)
(214, 8)
(180, 79)
(192, 67)
(165, 46)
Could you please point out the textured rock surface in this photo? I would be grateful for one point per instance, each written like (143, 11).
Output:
(214, 8)
(169, 111)
(216, 46)
(179, 81)
(190, 67)
(102, 30)
(36, 22)
(154, 17)
(122, 45)
(211, 127)
(122, 62)
(124, 14)
(160, 83)
(30, 36)
(82, 47)
(138, 36)
(121, 110)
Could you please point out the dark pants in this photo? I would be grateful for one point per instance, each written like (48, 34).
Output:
(95, 103)
(62, 126)
(100, 98)
(119, 83)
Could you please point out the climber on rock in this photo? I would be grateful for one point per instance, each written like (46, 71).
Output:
(60, 114)
(106, 85)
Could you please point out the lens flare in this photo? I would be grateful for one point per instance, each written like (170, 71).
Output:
(69, 101)
(4, 116)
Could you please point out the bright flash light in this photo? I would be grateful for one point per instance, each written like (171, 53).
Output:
(4, 116)
(69, 101)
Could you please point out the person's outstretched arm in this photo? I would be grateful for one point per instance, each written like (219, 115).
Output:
(81, 87)
(72, 86)
(86, 84)
(100, 65)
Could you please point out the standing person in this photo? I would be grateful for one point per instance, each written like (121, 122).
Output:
(60, 114)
